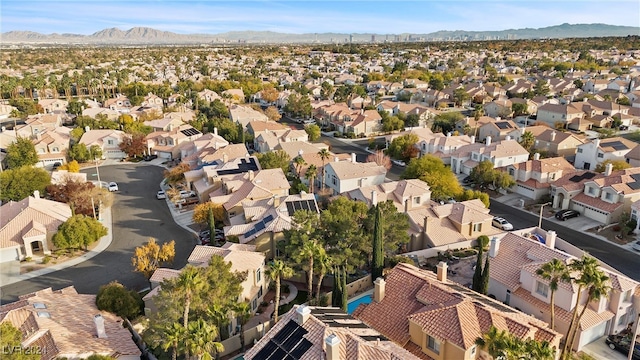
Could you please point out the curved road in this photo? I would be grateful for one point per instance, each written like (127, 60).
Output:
(137, 215)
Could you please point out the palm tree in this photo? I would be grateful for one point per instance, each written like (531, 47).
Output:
(584, 267)
(310, 175)
(243, 314)
(536, 350)
(299, 163)
(190, 281)
(324, 264)
(554, 271)
(173, 335)
(218, 314)
(278, 270)
(308, 252)
(324, 155)
(527, 140)
(493, 342)
(200, 340)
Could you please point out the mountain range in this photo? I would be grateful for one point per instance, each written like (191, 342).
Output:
(149, 36)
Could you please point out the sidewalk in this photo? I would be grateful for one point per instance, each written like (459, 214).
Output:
(11, 277)
(182, 218)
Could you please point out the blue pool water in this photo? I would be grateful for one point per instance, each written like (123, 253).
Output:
(353, 304)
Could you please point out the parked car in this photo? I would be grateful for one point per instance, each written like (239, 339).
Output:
(399, 163)
(467, 180)
(636, 245)
(113, 186)
(56, 165)
(184, 194)
(621, 344)
(161, 195)
(566, 214)
(149, 157)
(623, 127)
(501, 223)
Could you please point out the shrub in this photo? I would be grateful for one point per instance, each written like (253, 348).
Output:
(117, 299)
(46, 259)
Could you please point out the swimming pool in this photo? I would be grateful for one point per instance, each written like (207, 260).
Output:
(361, 299)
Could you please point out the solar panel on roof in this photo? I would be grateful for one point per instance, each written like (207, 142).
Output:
(260, 226)
(634, 185)
(249, 233)
(302, 348)
(278, 354)
(636, 177)
(266, 351)
(616, 145)
(588, 175)
(503, 125)
(267, 219)
(284, 333)
(290, 209)
(292, 340)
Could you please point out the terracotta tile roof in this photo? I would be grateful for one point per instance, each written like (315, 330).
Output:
(548, 165)
(348, 170)
(619, 180)
(163, 273)
(570, 185)
(241, 260)
(597, 203)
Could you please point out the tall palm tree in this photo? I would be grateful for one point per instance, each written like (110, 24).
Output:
(323, 265)
(218, 314)
(310, 175)
(308, 252)
(598, 286)
(584, 268)
(555, 271)
(190, 281)
(324, 155)
(200, 340)
(494, 342)
(299, 163)
(243, 313)
(276, 271)
(539, 350)
(173, 336)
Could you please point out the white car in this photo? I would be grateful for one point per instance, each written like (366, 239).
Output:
(399, 163)
(113, 186)
(161, 195)
(184, 194)
(501, 223)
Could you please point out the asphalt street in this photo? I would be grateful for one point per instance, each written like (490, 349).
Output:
(621, 259)
(137, 215)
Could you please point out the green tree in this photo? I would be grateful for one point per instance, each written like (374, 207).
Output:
(484, 284)
(277, 271)
(11, 339)
(79, 153)
(527, 140)
(189, 283)
(493, 342)
(485, 174)
(308, 252)
(324, 156)
(616, 165)
(77, 232)
(430, 169)
(310, 175)
(554, 271)
(343, 232)
(313, 131)
(541, 88)
(446, 122)
(323, 265)
(395, 226)
(76, 107)
(218, 314)
(299, 162)
(275, 159)
(398, 147)
(200, 340)
(460, 95)
(173, 338)
(243, 313)
(117, 299)
(469, 194)
(519, 109)
(477, 273)
(20, 153)
(17, 184)
(377, 262)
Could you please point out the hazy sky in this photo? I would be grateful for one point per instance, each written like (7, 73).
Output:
(300, 16)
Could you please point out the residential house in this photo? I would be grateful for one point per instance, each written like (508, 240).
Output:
(633, 157)
(594, 152)
(595, 85)
(207, 178)
(57, 106)
(309, 153)
(554, 142)
(52, 146)
(324, 333)
(65, 324)
(6, 110)
(569, 116)
(243, 115)
(220, 155)
(209, 95)
(499, 130)
(120, 104)
(365, 123)
(469, 125)
(344, 176)
(516, 256)
(165, 124)
(27, 226)
(534, 177)
(438, 224)
(38, 124)
(243, 259)
(154, 102)
(500, 154)
(435, 318)
(97, 112)
(235, 95)
(169, 144)
(405, 194)
(264, 220)
(209, 141)
(499, 108)
(107, 140)
(531, 107)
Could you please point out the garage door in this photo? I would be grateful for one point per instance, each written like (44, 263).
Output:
(10, 254)
(593, 334)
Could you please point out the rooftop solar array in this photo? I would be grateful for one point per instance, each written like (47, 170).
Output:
(293, 206)
(259, 226)
(244, 166)
(636, 184)
(288, 344)
(190, 132)
(586, 176)
(504, 125)
(616, 145)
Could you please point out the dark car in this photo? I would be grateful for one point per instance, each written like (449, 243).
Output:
(566, 214)
(467, 180)
(623, 127)
(56, 165)
(149, 157)
(621, 343)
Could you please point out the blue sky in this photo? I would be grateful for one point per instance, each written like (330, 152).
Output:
(300, 16)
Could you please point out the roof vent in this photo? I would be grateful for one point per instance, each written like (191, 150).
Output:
(39, 306)
(44, 314)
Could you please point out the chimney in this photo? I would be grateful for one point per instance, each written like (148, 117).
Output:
(276, 201)
(488, 140)
(374, 198)
(508, 137)
(353, 158)
(406, 205)
(473, 139)
(550, 239)
(36, 194)
(494, 247)
(425, 224)
(300, 152)
(99, 321)
(215, 131)
(378, 290)
(86, 129)
(332, 343)
(442, 271)
(536, 156)
(335, 159)
(4, 129)
(596, 142)
(608, 169)
(302, 314)
(225, 158)
(252, 175)
(449, 134)
(553, 136)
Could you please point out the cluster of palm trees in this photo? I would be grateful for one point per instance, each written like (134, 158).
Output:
(312, 171)
(506, 346)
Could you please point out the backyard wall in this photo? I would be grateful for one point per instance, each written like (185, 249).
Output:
(232, 344)
(433, 252)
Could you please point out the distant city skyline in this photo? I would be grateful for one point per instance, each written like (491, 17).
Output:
(381, 17)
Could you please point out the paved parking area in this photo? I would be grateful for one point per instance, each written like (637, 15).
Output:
(599, 350)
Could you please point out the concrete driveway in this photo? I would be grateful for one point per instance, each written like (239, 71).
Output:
(137, 215)
(599, 350)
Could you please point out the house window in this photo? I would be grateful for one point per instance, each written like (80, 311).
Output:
(621, 320)
(416, 200)
(258, 275)
(542, 289)
(110, 142)
(473, 350)
(511, 171)
(590, 190)
(254, 304)
(433, 345)
(608, 196)
(260, 292)
(600, 155)
(552, 176)
(477, 227)
(55, 149)
(579, 150)
(474, 156)
(334, 180)
(627, 296)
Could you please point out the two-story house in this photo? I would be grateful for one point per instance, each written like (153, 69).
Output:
(592, 153)
(120, 104)
(516, 256)
(107, 140)
(243, 115)
(435, 318)
(498, 108)
(553, 142)
(499, 130)
(51, 146)
(39, 124)
(500, 154)
(567, 115)
(208, 95)
(154, 102)
(58, 106)
(437, 144)
(343, 176)
(405, 194)
(169, 144)
(534, 177)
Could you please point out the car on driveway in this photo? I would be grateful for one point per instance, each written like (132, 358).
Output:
(621, 344)
(502, 224)
(184, 194)
(149, 157)
(113, 186)
(399, 163)
(566, 214)
(161, 195)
